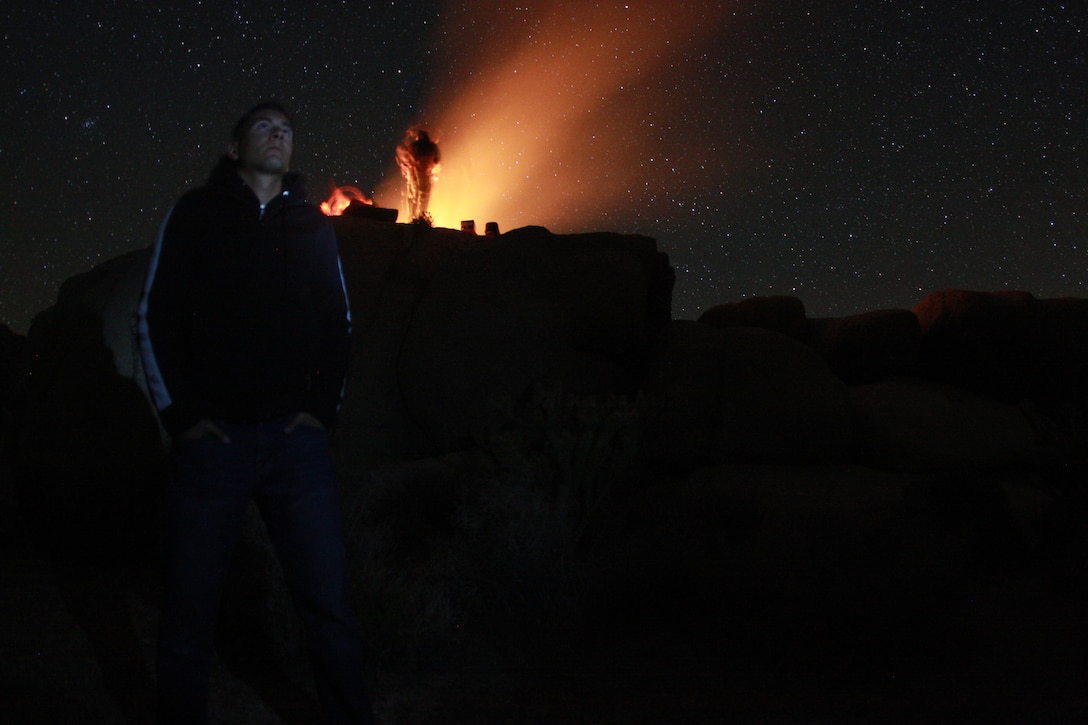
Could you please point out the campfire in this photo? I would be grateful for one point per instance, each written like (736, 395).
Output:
(349, 201)
(341, 198)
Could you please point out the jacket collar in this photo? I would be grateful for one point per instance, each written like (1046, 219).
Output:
(225, 176)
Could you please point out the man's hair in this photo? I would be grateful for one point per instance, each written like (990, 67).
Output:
(246, 120)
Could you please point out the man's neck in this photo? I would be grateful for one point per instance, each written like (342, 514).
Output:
(266, 186)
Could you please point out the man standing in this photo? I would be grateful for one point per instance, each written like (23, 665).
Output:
(244, 330)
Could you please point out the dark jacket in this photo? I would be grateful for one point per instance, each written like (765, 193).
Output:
(244, 315)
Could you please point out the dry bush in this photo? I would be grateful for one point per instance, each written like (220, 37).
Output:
(484, 559)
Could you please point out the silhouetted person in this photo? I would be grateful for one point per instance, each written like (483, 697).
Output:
(244, 331)
(418, 157)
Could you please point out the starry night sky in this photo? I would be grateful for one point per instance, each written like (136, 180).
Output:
(855, 155)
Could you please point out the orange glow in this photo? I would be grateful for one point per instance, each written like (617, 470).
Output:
(340, 198)
(563, 122)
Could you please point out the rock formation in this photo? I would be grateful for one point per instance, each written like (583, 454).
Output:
(1007, 345)
(757, 477)
(742, 395)
(451, 328)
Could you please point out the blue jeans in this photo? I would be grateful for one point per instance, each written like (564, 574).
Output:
(291, 479)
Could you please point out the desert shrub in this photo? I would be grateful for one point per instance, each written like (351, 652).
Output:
(562, 455)
(404, 564)
(486, 558)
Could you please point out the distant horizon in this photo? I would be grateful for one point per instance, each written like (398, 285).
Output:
(691, 311)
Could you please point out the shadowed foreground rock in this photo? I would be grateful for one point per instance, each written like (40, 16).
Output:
(869, 347)
(84, 444)
(908, 424)
(742, 395)
(780, 313)
(1008, 345)
(870, 518)
(448, 324)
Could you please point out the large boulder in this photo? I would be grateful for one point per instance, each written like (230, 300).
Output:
(448, 324)
(807, 551)
(870, 346)
(86, 449)
(1059, 344)
(11, 351)
(781, 313)
(907, 424)
(445, 323)
(1008, 345)
(763, 527)
(859, 348)
(742, 395)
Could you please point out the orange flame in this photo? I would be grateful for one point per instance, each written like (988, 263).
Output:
(340, 198)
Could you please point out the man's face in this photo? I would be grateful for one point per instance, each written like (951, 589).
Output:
(266, 146)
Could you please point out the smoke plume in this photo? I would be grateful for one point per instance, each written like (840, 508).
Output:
(557, 113)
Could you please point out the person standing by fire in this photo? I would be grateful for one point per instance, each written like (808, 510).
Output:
(418, 158)
(244, 332)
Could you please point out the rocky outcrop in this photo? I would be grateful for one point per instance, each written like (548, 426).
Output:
(446, 324)
(822, 485)
(868, 347)
(1007, 345)
(11, 351)
(742, 394)
(449, 324)
(907, 424)
(84, 446)
(780, 313)
(450, 329)
(860, 348)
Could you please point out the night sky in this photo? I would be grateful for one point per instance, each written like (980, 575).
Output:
(855, 155)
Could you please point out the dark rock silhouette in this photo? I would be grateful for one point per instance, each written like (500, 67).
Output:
(779, 313)
(742, 395)
(11, 352)
(907, 424)
(87, 470)
(1008, 345)
(863, 495)
(868, 347)
(862, 348)
(447, 325)
(449, 328)
(84, 445)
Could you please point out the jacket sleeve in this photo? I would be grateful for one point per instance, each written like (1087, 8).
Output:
(329, 372)
(165, 322)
